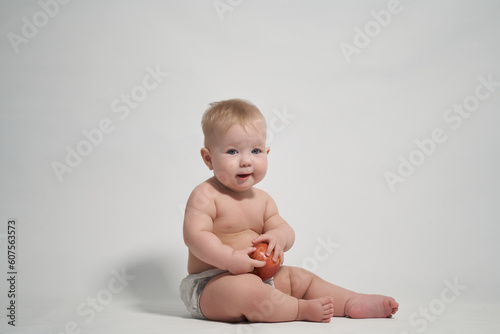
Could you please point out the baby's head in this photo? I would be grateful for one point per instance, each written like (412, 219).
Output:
(224, 114)
(235, 143)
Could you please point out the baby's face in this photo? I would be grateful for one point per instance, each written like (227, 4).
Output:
(239, 156)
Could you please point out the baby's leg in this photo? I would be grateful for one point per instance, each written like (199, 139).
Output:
(303, 284)
(235, 298)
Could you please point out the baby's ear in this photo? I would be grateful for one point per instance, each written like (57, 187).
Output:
(207, 159)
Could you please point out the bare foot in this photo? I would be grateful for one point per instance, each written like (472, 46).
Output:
(319, 310)
(370, 306)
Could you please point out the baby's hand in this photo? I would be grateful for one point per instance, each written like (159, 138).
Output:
(274, 243)
(242, 263)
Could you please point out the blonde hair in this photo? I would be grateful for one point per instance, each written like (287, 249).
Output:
(224, 114)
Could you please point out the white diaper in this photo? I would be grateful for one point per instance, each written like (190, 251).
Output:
(192, 287)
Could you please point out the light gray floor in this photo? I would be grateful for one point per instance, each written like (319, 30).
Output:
(171, 317)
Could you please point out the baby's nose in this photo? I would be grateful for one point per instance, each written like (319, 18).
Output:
(245, 161)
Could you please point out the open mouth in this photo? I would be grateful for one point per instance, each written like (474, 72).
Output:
(243, 176)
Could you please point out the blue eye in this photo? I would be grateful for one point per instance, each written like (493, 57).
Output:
(256, 151)
(232, 152)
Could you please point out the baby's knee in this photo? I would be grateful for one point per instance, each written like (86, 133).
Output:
(244, 286)
(252, 283)
(297, 279)
(249, 280)
(296, 271)
(260, 299)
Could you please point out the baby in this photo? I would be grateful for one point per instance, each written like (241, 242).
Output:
(226, 216)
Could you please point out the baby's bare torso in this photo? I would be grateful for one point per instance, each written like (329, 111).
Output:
(239, 218)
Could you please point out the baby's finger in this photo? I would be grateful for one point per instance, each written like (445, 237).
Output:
(270, 247)
(260, 238)
(277, 253)
(250, 250)
(257, 263)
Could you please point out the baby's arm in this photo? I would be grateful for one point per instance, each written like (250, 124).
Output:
(277, 233)
(205, 245)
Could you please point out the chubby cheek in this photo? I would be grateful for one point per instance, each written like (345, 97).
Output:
(225, 170)
(261, 168)
(222, 176)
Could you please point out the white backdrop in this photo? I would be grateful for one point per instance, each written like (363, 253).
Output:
(383, 125)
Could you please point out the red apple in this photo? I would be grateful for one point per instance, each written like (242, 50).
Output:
(271, 267)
